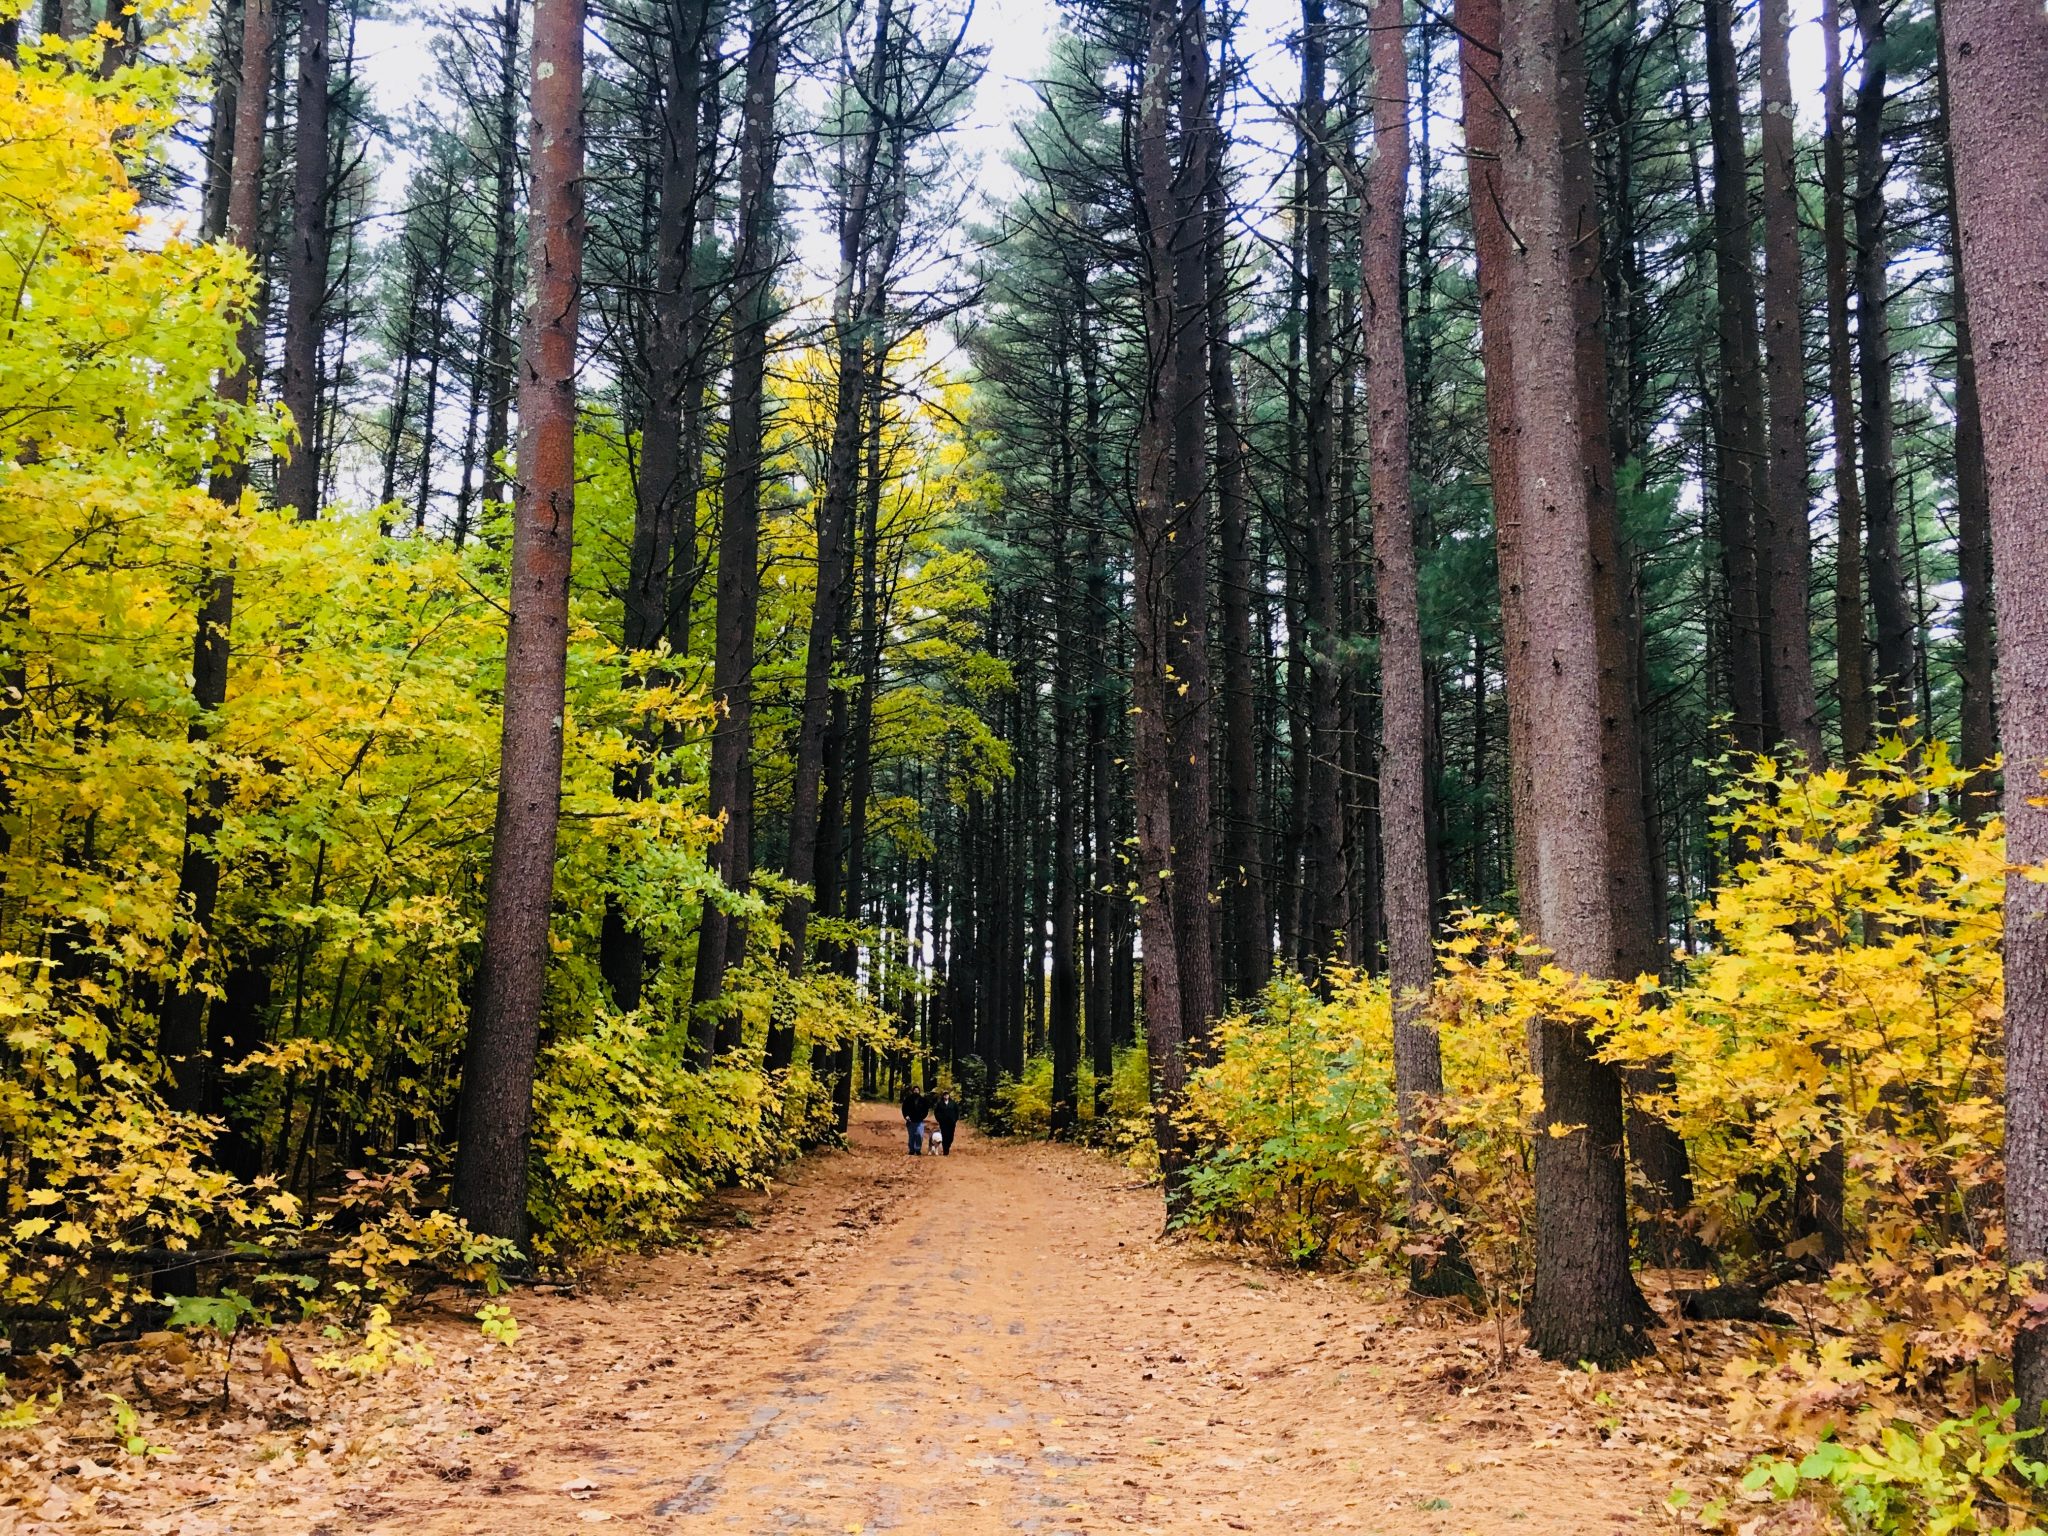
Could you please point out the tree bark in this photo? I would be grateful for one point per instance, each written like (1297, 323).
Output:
(1886, 569)
(1978, 727)
(1188, 635)
(181, 1023)
(1247, 921)
(298, 478)
(1478, 23)
(497, 339)
(1852, 662)
(720, 940)
(1740, 461)
(1785, 542)
(665, 504)
(1323, 869)
(1404, 812)
(1584, 1304)
(854, 313)
(504, 1032)
(1996, 53)
(1169, 608)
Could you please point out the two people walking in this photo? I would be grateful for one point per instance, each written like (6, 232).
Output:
(944, 1109)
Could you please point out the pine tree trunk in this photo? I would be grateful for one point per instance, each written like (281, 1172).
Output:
(1740, 461)
(1784, 541)
(1584, 1304)
(1884, 563)
(498, 1062)
(719, 939)
(1247, 922)
(497, 342)
(298, 478)
(1188, 633)
(1996, 52)
(1404, 815)
(854, 316)
(1064, 1016)
(1323, 872)
(1662, 1166)
(860, 787)
(1167, 539)
(1978, 727)
(220, 128)
(181, 1038)
(436, 305)
(868, 651)
(665, 507)
(1097, 602)
(1478, 24)
(1852, 662)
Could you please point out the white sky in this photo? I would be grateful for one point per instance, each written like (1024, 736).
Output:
(1018, 37)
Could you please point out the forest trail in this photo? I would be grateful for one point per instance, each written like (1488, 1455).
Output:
(993, 1342)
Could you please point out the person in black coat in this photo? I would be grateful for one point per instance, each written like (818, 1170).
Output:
(947, 1111)
(914, 1107)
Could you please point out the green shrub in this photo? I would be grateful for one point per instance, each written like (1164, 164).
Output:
(1293, 1122)
(1961, 1477)
(1023, 1105)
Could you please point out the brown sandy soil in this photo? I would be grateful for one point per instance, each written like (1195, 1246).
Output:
(998, 1341)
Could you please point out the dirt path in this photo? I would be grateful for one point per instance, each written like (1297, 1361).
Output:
(991, 1342)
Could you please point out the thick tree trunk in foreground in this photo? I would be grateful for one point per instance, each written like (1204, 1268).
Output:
(1404, 812)
(1485, 132)
(719, 940)
(1996, 52)
(1169, 574)
(1783, 541)
(504, 1030)
(298, 478)
(1584, 1304)
(1663, 1169)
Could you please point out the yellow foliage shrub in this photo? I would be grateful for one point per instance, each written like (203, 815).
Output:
(1846, 1010)
(1119, 1117)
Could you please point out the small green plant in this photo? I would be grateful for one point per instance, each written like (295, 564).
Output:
(1962, 1477)
(126, 1424)
(224, 1316)
(498, 1324)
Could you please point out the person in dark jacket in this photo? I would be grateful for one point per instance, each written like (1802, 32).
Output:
(914, 1107)
(946, 1110)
